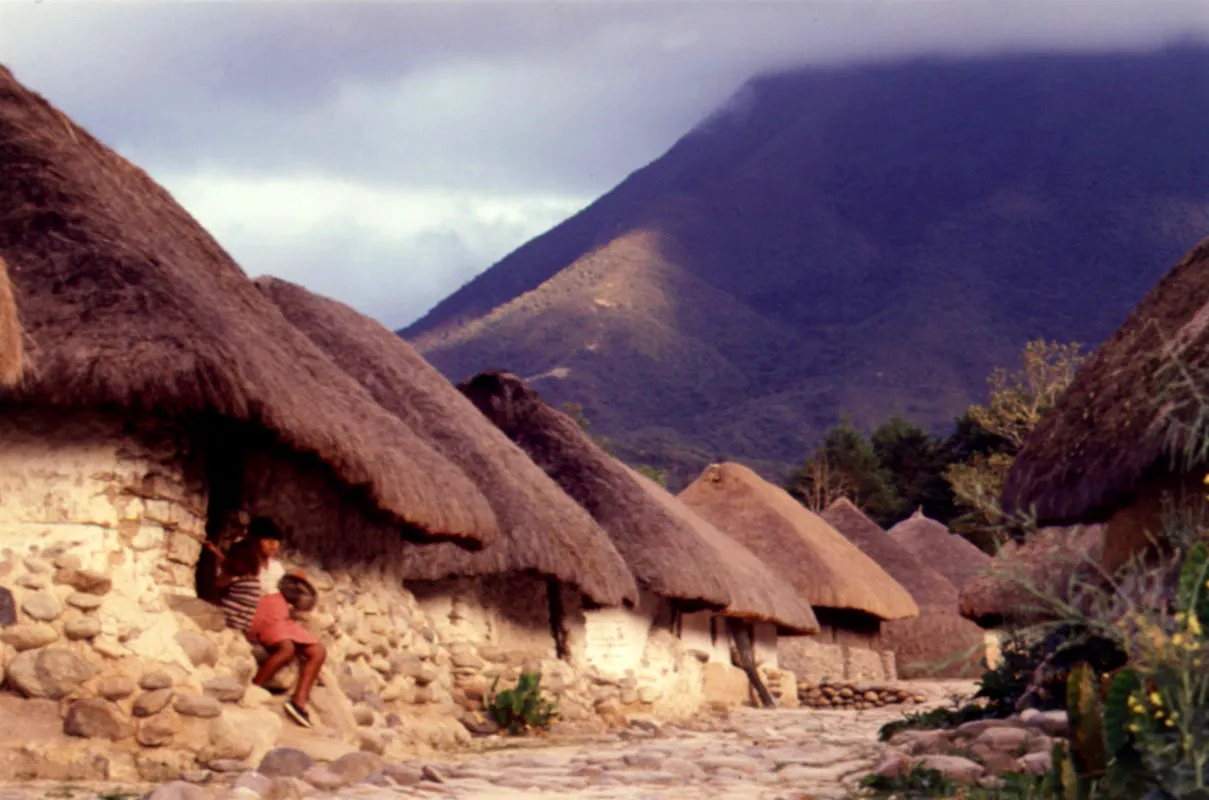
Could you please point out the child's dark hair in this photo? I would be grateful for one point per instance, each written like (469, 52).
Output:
(243, 559)
(264, 528)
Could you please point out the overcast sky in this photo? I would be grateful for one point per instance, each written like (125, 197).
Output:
(383, 153)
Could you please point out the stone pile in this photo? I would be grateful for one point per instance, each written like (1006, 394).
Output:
(977, 752)
(855, 696)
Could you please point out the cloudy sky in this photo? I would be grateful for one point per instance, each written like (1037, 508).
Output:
(384, 152)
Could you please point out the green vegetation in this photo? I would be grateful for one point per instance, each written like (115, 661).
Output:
(522, 708)
(659, 476)
(1139, 724)
(956, 479)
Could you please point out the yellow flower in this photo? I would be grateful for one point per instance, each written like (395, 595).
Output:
(1194, 625)
(1156, 699)
(1178, 640)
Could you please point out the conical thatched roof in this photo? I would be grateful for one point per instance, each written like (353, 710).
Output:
(926, 585)
(1128, 407)
(661, 542)
(1048, 562)
(756, 591)
(11, 351)
(541, 528)
(807, 553)
(940, 642)
(128, 303)
(949, 554)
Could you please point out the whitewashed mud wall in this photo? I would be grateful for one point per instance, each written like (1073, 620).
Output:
(82, 501)
(705, 632)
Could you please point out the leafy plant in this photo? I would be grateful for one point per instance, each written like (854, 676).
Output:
(929, 782)
(939, 718)
(1003, 686)
(523, 707)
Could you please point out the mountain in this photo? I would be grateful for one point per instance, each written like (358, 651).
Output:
(854, 241)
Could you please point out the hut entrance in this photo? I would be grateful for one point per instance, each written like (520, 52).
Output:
(225, 460)
(558, 619)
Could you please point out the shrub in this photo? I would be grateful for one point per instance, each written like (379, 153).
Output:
(521, 708)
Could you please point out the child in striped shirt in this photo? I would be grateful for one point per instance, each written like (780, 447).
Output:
(241, 567)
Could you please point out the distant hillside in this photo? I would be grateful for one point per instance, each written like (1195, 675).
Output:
(853, 240)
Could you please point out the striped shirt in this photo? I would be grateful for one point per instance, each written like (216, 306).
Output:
(240, 601)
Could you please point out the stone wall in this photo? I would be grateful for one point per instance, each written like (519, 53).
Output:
(86, 506)
(101, 527)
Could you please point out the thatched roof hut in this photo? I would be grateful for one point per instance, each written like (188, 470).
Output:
(11, 350)
(666, 547)
(1052, 562)
(127, 303)
(1133, 403)
(939, 642)
(541, 528)
(807, 553)
(949, 554)
(926, 585)
(757, 592)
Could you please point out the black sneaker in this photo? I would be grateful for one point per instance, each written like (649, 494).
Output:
(299, 715)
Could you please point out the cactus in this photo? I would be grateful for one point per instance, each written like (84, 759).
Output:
(1088, 749)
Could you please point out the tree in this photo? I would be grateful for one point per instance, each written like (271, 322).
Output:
(659, 476)
(845, 465)
(915, 462)
(818, 483)
(576, 412)
(1018, 399)
(993, 434)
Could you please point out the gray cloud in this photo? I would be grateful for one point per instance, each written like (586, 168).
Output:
(537, 107)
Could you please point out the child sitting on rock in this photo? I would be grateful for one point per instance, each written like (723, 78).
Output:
(252, 570)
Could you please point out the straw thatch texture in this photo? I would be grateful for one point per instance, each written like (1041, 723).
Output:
(129, 304)
(926, 585)
(949, 554)
(756, 592)
(1127, 408)
(939, 643)
(11, 350)
(541, 528)
(1052, 561)
(664, 551)
(808, 554)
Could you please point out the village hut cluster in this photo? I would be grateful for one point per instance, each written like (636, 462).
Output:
(153, 399)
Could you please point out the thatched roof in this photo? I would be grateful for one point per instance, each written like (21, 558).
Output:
(128, 303)
(807, 553)
(1128, 407)
(949, 554)
(662, 544)
(756, 591)
(939, 642)
(926, 585)
(11, 350)
(1048, 562)
(541, 528)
